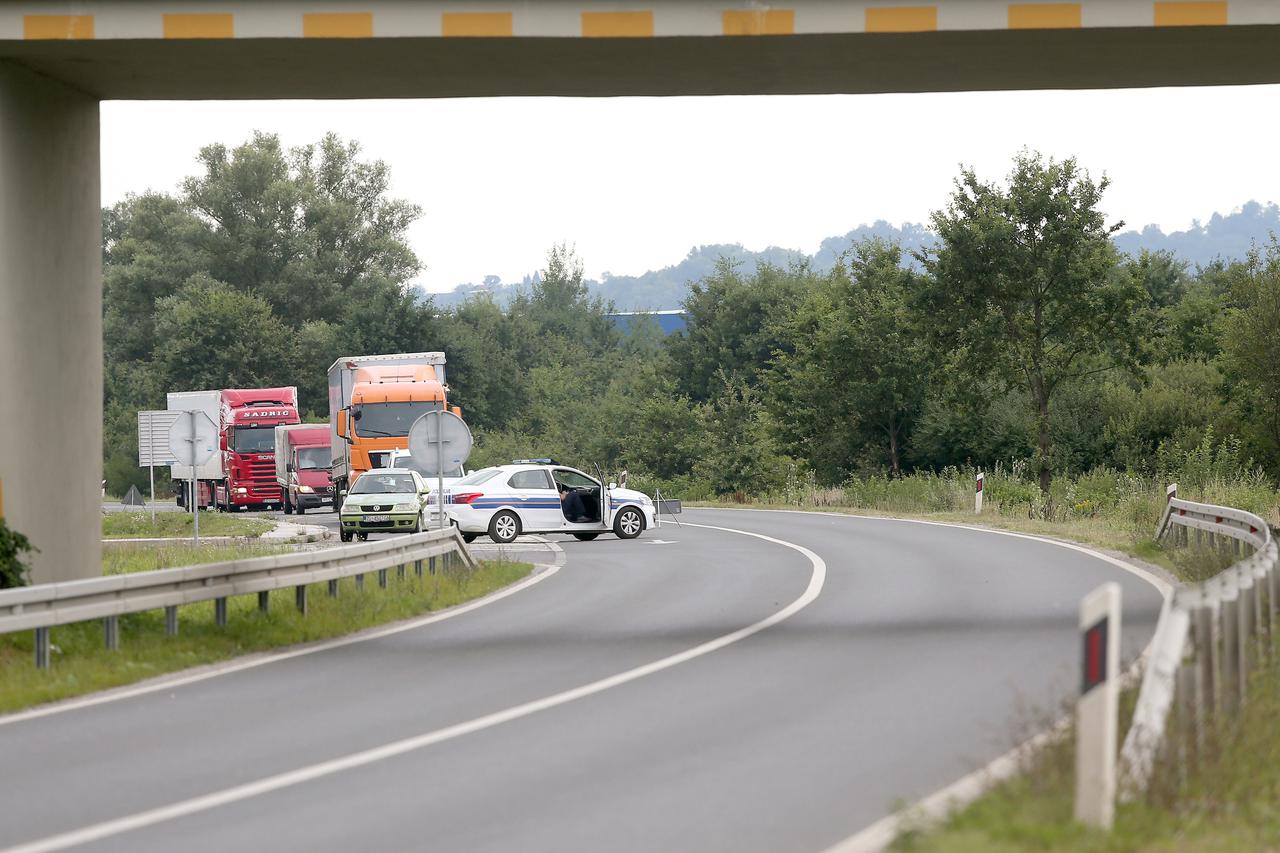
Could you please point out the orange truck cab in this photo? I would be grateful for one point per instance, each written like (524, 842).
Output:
(373, 401)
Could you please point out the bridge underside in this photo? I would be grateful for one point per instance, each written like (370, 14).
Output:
(57, 60)
(796, 64)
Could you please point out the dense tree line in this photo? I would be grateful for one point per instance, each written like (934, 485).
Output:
(1021, 334)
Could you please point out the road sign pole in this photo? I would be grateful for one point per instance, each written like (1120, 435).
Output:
(195, 500)
(151, 463)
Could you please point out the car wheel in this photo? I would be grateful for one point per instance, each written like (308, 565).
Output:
(469, 537)
(504, 527)
(628, 523)
(344, 535)
(585, 537)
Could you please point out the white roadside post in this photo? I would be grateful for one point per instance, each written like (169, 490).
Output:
(977, 494)
(1097, 708)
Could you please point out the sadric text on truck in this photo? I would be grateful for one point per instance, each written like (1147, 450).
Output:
(373, 400)
(243, 472)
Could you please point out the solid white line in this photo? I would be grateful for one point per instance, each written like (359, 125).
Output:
(219, 669)
(960, 793)
(151, 817)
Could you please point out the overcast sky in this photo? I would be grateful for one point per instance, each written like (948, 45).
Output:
(634, 183)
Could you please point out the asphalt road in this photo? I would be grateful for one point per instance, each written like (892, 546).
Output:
(904, 656)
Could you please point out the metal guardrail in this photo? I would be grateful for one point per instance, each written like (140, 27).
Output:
(1209, 636)
(47, 605)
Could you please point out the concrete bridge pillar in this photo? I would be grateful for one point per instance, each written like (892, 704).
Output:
(51, 321)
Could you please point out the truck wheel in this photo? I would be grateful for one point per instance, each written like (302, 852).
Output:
(300, 509)
(288, 505)
(344, 535)
(504, 527)
(364, 537)
(628, 523)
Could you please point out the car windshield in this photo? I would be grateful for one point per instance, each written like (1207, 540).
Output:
(391, 419)
(384, 482)
(407, 463)
(312, 458)
(475, 478)
(254, 439)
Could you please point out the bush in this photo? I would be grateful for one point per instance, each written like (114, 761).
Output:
(13, 545)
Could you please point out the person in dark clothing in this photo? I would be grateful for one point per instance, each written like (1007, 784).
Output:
(571, 504)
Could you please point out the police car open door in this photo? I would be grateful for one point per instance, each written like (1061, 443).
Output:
(606, 500)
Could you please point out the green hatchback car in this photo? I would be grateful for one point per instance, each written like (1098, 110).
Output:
(384, 501)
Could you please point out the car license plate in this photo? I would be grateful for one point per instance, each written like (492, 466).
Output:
(377, 518)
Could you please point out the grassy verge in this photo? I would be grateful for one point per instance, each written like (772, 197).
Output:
(1230, 801)
(82, 665)
(135, 525)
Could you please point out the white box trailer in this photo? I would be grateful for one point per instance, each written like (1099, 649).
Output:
(342, 380)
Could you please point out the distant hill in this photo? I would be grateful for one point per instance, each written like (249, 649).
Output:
(1228, 237)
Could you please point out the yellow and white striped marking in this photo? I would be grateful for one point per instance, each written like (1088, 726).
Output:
(188, 19)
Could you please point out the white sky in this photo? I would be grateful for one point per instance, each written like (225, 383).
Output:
(634, 183)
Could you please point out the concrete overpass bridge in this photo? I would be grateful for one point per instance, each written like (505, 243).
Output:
(59, 59)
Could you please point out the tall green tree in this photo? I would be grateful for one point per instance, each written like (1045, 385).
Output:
(1026, 286)
(735, 325)
(857, 378)
(1252, 347)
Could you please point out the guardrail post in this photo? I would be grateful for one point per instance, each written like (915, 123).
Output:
(1230, 694)
(360, 583)
(1244, 625)
(382, 578)
(1206, 674)
(42, 648)
(417, 568)
(171, 620)
(333, 588)
(400, 572)
(300, 599)
(111, 632)
(431, 565)
(220, 611)
(1187, 718)
(264, 602)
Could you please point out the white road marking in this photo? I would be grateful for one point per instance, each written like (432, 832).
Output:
(543, 571)
(660, 542)
(237, 793)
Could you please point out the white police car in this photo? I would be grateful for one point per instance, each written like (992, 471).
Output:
(526, 497)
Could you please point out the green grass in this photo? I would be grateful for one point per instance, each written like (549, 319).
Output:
(136, 525)
(130, 557)
(81, 664)
(1230, 802)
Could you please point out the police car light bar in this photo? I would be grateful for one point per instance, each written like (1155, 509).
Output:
(534, 462)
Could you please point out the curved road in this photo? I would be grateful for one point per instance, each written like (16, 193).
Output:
(902, 654)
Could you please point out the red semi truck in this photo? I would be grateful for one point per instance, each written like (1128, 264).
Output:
(243, 474)
(303, 457)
